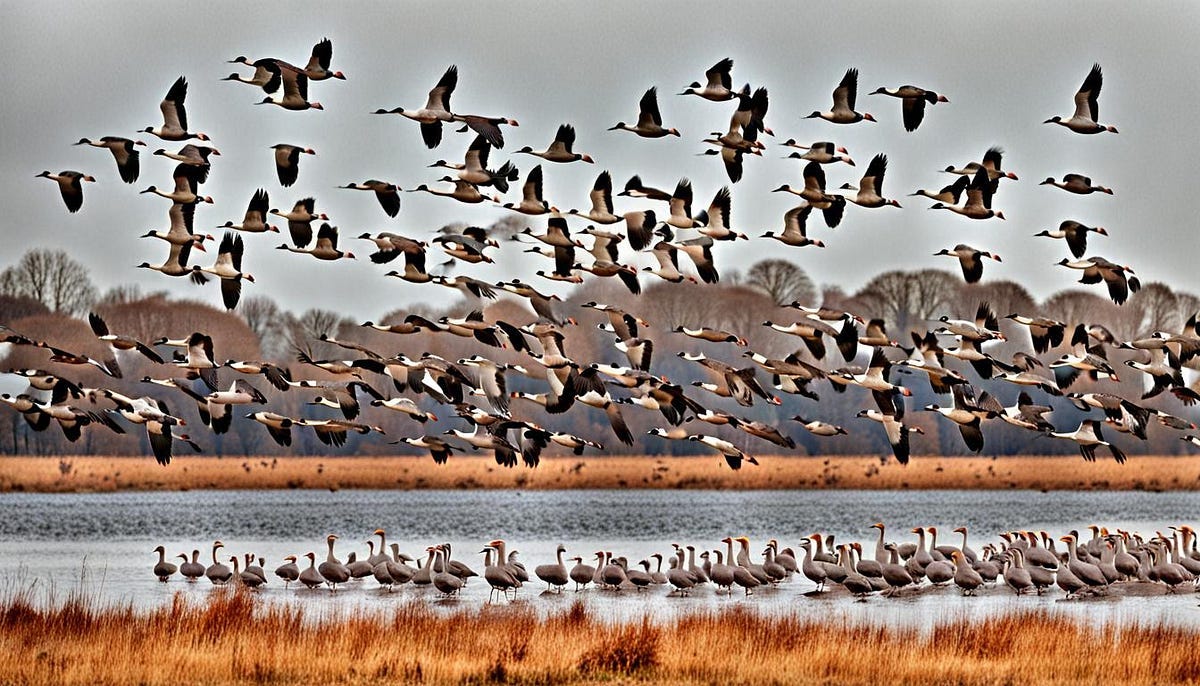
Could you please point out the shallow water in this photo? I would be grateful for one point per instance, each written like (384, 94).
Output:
(49, 539)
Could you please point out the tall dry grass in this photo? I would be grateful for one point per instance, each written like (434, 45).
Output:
(233, 638)
(100, 474)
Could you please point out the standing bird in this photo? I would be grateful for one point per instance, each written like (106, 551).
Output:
(70, 184)
(913, 101)
(649, 123)
(175, 124)
(123, 152)
(1087, 106)
(287, 162)
(561, 149)
(435, 111)
(844, 97)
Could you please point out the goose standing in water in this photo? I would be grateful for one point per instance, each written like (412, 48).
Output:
(1015, 574)
(555, 575)
(443, 580)
(332, 569)
(965, 577)
(309, 576)
(163, 569)
(500, 579)
(192, 570)
(289, 571)
(218, 573)
(581, 574)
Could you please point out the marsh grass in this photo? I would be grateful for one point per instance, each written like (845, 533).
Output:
(105, 474)
(233, 637)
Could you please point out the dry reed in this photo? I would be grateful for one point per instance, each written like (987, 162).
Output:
(232, 637)
(100, 474)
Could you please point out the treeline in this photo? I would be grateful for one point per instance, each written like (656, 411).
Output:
(53, 308)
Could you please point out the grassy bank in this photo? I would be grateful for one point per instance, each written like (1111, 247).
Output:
(233, 638)
(101, 474)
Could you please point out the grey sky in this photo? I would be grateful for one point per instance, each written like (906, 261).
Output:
(101, 68)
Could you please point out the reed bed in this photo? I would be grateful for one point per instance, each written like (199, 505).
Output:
(233, 637)
(101, 474)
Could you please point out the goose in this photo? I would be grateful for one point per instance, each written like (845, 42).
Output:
(718, 83)
(289, 571)
(295, 90)
(993, 160)
(1087, 107)
(831, 206)
(325, 248)
(262, 71)
(602, 206)
(699, 250)
(438, 449)
(228, 269)
(191, 570)
(634, 188)
(287, 162)
(979, 200)
(716, 218)
(182, 216)
(436, 109)
(968, 421)
(965, 578)
(175, 124)
(813, 330)
(733, 455)
(561, 149)
(740, 384)
(278, 426)
(187, 183)
(70, 186)
(812, 570)
(897, 432)
(309, 576)
(463, 191)
(821, 152)
(123, 151)
(1086, 572)
(300, 220)
(948, 194)
(156, 417)
(499, 578)
(870, 188)
(894, 573)
(817, 427)
(488, 127)
(581, 574)
(1088, 436)
(681, 207)
(970, 259)
(1015, 575)
(532, 203)
(844, 97)
(474, 169)
(1076, 183)
(332, 570)
(407, 407)
(913, 101)
(667, 256)
(163, 569)
(680, 578)
(649, 122)
(1096, 269)
(705, 333)
(640, 578)
(255, 219)
(218, 573)
(1075, 234)
(317, 68)
(386, 193)
(255, 569)
(1043, 331)
(391, 245)
(119, 342)
(193, 156)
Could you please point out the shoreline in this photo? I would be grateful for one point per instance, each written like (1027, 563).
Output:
(91, 474)
(190, 642)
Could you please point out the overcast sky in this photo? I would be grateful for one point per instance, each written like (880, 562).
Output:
(95, 69)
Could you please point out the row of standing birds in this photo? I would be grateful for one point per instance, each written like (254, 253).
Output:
(1022, 560)
(570, 380)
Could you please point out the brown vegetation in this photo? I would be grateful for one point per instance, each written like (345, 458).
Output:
(233, 638)
(99, 474)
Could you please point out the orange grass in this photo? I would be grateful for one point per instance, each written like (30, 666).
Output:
(98, 474)
(233, 638)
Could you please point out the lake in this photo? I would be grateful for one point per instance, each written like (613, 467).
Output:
(50, 539)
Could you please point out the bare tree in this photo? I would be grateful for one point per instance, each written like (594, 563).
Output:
(783, 281)
(1158, 306)
(52, 277)
(903, 298)
(267, 321)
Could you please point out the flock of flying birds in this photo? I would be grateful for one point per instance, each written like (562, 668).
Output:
(476, 386)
